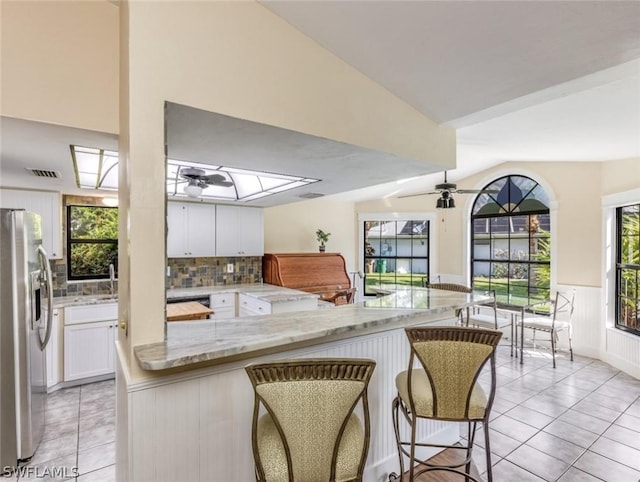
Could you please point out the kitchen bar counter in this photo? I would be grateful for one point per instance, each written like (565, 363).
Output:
(190, 422)
(221, 341)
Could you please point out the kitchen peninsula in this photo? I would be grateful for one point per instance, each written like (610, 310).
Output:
(183, 426)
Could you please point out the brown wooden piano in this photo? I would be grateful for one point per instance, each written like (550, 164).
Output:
(324, 274)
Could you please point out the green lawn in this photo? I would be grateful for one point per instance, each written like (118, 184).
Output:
(376, 279)
(518, 296)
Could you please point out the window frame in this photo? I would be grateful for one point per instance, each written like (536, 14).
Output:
(70, 242)
(544, 292)
(618, 268)
(393, 217)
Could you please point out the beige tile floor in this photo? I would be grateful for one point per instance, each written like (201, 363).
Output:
(80, 433)
(578, 422)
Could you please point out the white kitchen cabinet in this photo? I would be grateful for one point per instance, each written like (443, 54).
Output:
(45, 203)
(239, 231)
(223, 306)
(250, 306)
(89, 341)
(191, 230)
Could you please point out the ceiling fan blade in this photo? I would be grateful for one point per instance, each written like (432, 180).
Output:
(217, 180)
(421, 194)
(476, 191)
(191, 172)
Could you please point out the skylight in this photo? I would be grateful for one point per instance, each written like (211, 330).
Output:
(247, 185)
(95, 168)
(98, 169)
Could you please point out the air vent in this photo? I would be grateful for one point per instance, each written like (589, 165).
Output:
(311, 195)
(44, 173)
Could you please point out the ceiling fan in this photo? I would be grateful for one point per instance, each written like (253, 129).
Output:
(198, 179)
(446, 189)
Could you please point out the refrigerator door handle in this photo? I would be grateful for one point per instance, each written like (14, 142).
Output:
(46, 269)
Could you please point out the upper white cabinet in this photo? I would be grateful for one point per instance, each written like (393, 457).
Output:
(47, 205)
(239, 231)
(191, 230)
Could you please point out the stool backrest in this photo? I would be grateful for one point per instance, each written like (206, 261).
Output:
(453, 358)
(450, 287)
(310, 402)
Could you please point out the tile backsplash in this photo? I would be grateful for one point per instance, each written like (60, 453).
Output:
(63, 287)
(195, 272)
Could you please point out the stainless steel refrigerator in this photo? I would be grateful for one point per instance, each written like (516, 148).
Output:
(25, 327)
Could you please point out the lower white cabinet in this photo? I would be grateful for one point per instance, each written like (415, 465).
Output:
(223, 306)
(89, 341)
(89, 350)
(250, 306)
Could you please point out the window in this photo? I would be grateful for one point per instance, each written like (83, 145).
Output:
(395, 252)
(92, 241)
(511, 240)
(628, 268)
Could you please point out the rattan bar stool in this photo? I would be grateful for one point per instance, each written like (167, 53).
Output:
(445, 387)
(304, 423)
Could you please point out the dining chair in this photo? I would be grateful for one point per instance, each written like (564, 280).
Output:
(488, 315)
(304, 423)
(550, 316)
(342, 297)
(454, 287)
(444, 386)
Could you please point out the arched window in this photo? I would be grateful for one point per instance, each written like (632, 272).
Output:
(511, 240)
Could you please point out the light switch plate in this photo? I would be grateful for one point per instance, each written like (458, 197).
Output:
(230, 268)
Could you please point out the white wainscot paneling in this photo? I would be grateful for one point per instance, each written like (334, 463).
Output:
(196, 426)
(622, 350)
(587, 320)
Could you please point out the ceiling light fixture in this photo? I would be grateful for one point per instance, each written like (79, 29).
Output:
(445, 201)
(192, 189)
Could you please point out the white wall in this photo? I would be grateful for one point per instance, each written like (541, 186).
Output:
(291, 228)
(60, 63)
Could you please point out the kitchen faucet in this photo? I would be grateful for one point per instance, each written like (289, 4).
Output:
(112, 278)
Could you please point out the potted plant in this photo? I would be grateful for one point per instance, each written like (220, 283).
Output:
(322, 239)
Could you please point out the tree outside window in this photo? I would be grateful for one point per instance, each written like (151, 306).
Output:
(92, 241)
(628, 269)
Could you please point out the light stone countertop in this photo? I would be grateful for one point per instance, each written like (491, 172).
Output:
(83, 300)
(264, 292)
(220, 341)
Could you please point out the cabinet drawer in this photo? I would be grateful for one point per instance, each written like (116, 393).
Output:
(90, 313)
(223, 300)
(223, 313)
(254, 305)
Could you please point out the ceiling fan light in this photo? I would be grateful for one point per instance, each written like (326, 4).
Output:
(452, 203)
(440, 203)
(192, 190)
